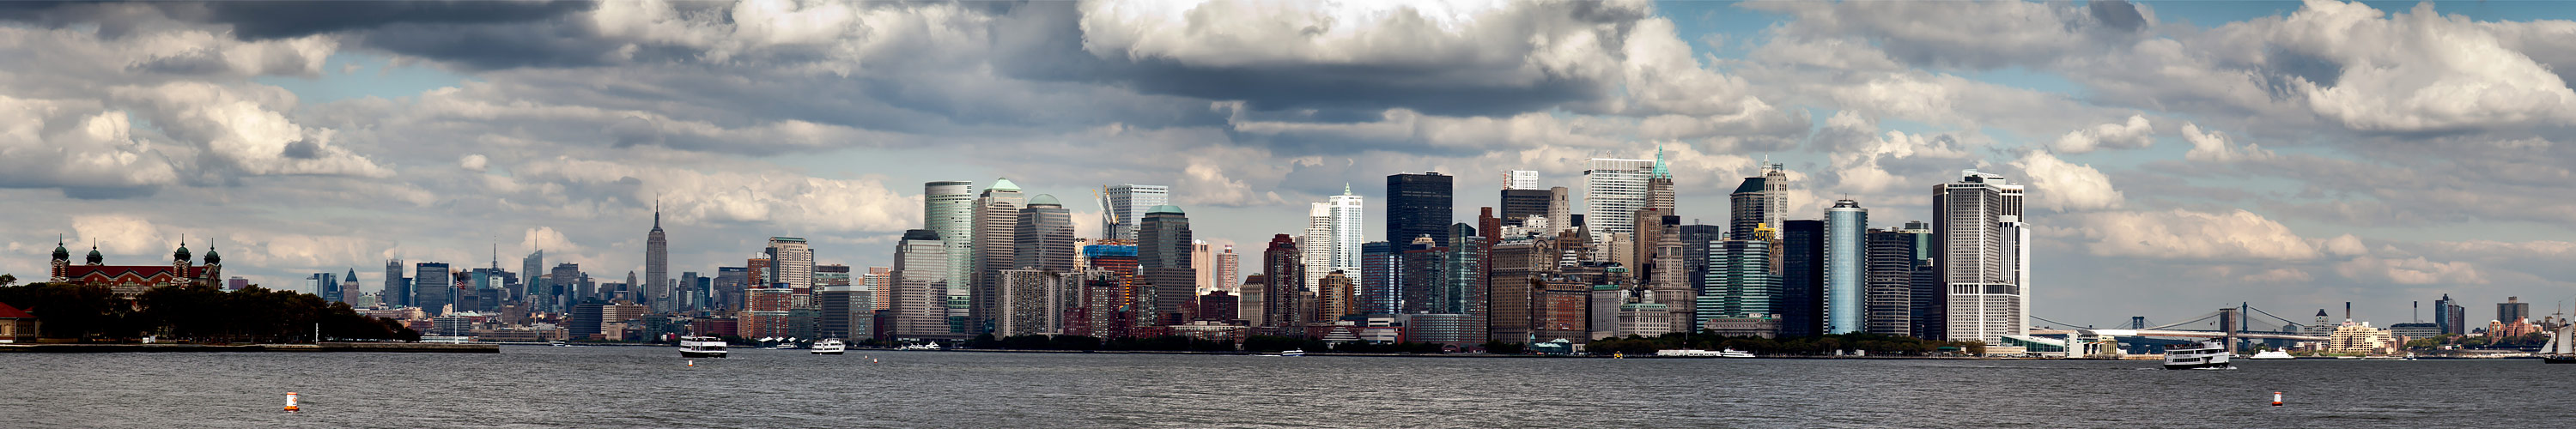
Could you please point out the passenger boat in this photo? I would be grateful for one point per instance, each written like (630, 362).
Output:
(828, 347)
(702, 347)
(2561, 347)
(2272, 354)
(1733, 353)
(1298, 352)
(2196, 355)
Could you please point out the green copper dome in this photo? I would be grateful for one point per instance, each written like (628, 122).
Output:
(1004, 184)
(1166, 208)
(1047, 199)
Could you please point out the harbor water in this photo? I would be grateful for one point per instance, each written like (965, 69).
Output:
(654, 387)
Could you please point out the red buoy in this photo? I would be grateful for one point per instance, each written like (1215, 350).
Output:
(2276, 399)
(290, 401)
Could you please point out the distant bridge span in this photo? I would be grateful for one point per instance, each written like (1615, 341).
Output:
(2192, 334)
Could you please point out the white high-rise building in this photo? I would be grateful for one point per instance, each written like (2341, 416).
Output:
(948, 209)
(1123, 208)
(1613, 190)
(1521, 179)
(1228, 274)
(1977, 226)
(1333, 236)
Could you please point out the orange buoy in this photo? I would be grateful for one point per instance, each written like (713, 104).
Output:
(290, 402)
(2276, 399)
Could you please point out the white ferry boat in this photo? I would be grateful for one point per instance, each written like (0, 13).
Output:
(702, 347)
(2197, 355)
(828, 347)
(1297, 352)
(2272, 354)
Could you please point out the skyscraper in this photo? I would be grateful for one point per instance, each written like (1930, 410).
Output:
(657, 265)
(1163, 258)
(1846, 268)
(1521, 179)
(1518, 205)
(1740, 281)
(1614, 188)
(2512, 310)
(1333, 236)
(1889, 281)
(1976, 222)
(1336, 295)
(1282, 275)
(396, 291)
(948, 209)
(2448, 314)
(325, 285)
(532, 270)
(1802, 278)
(1043, 236)
(348, 287)
(1125, 206)
(792, 263)
(1203, 263)
(1417, 205)
(1760, 200)
(997, 220)
(1382, 267)
(432, 287)
(920, 274)
(1229, 268)
(1560, 209)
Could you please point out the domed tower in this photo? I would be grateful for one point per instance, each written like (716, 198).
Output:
(179, 264)
(62, 261)
(212, 275)
(94, 258)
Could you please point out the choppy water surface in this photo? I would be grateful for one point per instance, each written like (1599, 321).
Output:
(652, 387)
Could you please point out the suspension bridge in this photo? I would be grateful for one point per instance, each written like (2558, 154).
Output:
(2231, 322)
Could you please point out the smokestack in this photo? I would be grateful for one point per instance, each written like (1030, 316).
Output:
(2347, 312)
(2419, 311)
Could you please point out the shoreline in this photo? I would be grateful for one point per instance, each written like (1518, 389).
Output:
(253, 348)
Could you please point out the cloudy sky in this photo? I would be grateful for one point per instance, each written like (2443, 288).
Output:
(2183, 156)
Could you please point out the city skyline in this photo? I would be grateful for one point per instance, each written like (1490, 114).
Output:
(302, 144)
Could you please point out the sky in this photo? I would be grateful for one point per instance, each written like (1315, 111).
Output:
(2181, 156)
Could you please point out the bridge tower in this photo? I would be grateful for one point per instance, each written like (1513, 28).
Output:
(2137, 322)
(2228, 324)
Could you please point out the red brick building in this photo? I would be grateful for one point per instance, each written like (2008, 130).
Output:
(131, 280)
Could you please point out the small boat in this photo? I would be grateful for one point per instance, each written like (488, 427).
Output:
(2196, 355)
(702, 347)
(1298, 352)
(2561, 347)
(922, 346)
(1733, 353)
(2272, 354)
(558, 344)
(828, 347)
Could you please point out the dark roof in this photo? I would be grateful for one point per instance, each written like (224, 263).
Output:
(77, 272)
(1751, 184)
(8, 312)
(921, 234)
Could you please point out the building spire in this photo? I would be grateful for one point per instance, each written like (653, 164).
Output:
(657, 213)
(1659, 163)
(1346, 188)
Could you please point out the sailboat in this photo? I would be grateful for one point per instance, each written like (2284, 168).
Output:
(2560, 348)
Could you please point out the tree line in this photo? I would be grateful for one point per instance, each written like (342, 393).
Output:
(195, 313)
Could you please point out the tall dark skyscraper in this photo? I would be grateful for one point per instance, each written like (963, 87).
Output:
(1417, 205)
(2512, 310)
(657, 265)
(1519, 204)
(432, 287)
(395, 291)
(1381, 268)
(1759, 201)
(1283, 275)
(1801, 303)
(1163, 258)
(1889, 281)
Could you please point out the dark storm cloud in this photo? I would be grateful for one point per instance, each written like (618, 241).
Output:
(275, 19)
(2116, 14)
